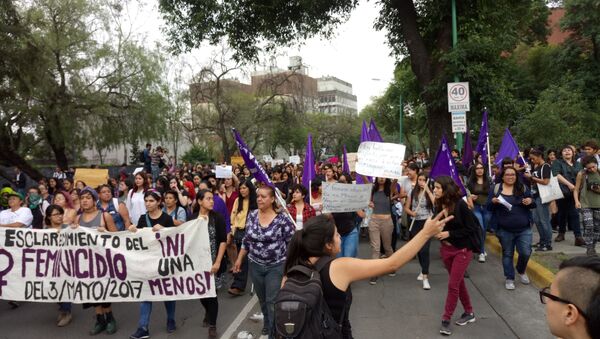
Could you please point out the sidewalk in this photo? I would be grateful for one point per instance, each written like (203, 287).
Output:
(397, 307)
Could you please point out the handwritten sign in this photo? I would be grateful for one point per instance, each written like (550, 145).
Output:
(91, 176)
(223, 171)
(345, 197)
(351, 161)
(295, 159)
(83, 265)
(380, 159)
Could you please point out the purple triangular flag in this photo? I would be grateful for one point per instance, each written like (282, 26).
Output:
(482, 145)
(467, 158)
(374, 132)
(250, 160)
(444, 165)
(508, 149)
(345, 165)
(308, 173)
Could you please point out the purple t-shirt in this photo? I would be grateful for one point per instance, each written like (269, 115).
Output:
(268, 245)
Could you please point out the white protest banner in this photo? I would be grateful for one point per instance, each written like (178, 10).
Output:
(223, 171)
(345, 197)
(295, 159)
(351, 161)
(83, 265)
(276, 162)
(380, 159)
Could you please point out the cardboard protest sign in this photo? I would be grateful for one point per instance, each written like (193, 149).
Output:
(83, 265)
(352, 161)
(345, 197)
(380, 159)
(237, 160)
(223, 171)
(91, 176)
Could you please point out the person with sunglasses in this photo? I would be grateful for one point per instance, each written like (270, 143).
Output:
(573, 300)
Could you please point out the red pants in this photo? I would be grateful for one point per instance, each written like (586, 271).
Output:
(456, 261)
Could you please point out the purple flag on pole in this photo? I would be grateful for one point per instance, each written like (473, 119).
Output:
(467, 158)
(345, 165)
(308, 172)
(444, 165)
(250, 160)
(509, 149)
(482, 145)
(364, 136)
(374, 132)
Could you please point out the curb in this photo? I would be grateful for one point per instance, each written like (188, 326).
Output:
(539, 275)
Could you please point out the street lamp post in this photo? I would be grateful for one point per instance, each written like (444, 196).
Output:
(401, 118)
(459, 137)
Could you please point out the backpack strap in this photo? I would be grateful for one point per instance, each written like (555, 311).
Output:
(302, 269)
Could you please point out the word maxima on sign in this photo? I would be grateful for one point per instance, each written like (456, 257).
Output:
(458, 97)
(86, 266)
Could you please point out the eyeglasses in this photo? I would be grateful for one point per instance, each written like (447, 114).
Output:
(545, 293)
(56, 214)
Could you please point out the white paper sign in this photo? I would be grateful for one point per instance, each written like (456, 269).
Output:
(380, 159)
(83, 265)
(137, 170)
(223, 171)
(295, 159)
(351, 161)
(276, 162)
(345, 197)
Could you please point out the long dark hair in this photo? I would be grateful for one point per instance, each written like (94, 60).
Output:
(199, 197)
(451, 194)
(49, 211)
(145, 186)
(414, 194)
(519, 188)
(473, 176)
(251, 196)
(387, 187)
(310, 241)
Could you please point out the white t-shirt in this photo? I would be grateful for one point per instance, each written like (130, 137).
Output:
(299, 221)
(22, 215)
(136, 206)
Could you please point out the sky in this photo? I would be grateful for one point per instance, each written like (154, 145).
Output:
(357, 53)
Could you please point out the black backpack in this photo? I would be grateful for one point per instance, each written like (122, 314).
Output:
(300, 308)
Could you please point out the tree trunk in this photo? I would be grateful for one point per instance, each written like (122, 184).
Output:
(12, 158)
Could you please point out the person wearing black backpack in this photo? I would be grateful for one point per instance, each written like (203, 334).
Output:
(314, 301)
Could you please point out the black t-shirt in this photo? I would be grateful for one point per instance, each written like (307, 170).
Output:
(344, 222)
(164, 220)
(540, 172)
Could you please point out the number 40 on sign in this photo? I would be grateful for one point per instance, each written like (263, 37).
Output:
(458, 97)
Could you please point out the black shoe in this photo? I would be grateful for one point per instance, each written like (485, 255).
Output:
(465, 319)
(445, 328)
(544, 248)
(591, 252)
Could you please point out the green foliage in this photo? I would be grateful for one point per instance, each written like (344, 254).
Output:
(196, 155)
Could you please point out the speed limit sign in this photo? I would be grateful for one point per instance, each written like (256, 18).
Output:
(458, 97)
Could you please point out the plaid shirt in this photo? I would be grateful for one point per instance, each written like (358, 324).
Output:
(307, 213)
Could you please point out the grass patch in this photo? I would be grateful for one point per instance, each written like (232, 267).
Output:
(551, 261)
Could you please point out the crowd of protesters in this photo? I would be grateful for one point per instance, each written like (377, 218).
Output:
(253, 235)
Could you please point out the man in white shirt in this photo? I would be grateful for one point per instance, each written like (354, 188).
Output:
(16, 215)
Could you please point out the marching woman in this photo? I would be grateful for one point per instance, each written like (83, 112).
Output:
(318, 243)
(245, 202)
(118, 211)
(268, 233)
(459, 238)
(419, 206)
(157, 220)
(63, 199)
(479, 186)
(135, 198)
(587, 200)
(298, 208)
(218, 243)
(381, 225)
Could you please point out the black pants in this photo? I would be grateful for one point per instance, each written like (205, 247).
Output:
(423, 254)
(211, 305)
(567, 213)
(240, 280)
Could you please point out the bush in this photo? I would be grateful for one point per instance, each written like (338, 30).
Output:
(196, 154)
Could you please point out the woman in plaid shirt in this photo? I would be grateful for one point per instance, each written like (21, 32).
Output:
(299, 209)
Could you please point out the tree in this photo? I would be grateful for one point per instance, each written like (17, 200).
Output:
(419, 30)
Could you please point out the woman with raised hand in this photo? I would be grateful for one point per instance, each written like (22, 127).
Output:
(318, 243)
(157, 220)
(268, 233)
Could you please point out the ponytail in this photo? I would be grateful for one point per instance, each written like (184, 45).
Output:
(310, 242)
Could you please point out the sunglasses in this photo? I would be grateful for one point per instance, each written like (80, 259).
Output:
(545, 295)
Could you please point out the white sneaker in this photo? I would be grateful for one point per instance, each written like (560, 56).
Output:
(524, 279)
(257, 317)
(482, 257)
(509, 284)
(420, 277)
(426, 285)
(393, 274)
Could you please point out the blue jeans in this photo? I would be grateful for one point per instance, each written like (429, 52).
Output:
(267, 282)
(483, 216)
(64, 307)
(349, 244)
(155, 172)
(541, 218)
(509, 240)
(146, 310)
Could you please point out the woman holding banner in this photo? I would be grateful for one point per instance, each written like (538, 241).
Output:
(268, 233)
(218, 243)
(381, 225)
(157, 220)
(63, 199)
(346, 226)
(459, 239)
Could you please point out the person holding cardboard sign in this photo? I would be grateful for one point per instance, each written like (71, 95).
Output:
(381, 225)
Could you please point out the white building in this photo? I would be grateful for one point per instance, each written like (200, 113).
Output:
(335, 96)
